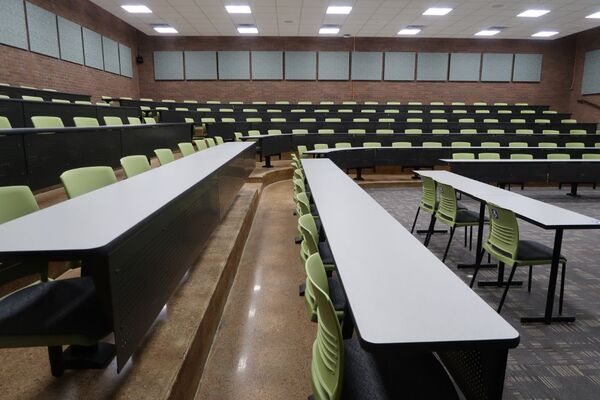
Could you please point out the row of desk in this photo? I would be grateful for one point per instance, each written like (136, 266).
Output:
(19, 112)
(37, 157)
(47, 95)
(401, 297)
(138, 237)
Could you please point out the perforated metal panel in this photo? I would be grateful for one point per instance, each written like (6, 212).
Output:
(43, 31)
(301, 65)
(92, 49)
(168, 65)
(591, 73)
(432, 66)
(465, 67)
(267, 65)
(367, 66)
(125, 60)
(13, 29)
(528, 68)
(334, 65)
(234, 65)
(399, 66)
(200, 65)
(496, 67)
(70, 40)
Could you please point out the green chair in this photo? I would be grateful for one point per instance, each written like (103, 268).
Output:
(321, 146)
(428, 202)
(147, 121)
(5, 123)
(518, 144)
(449, 213)
(186, 148)
(200, 144)
(371, 144)
(113, 121)
(316, 274)
(238, 136)
(357, 131)
(299, 131)
(490, 144)
(466, 120)
(413, 131)
(401, 144)
(547, 144)
(164, 156)
(62, 101)
(307, 120)
(32, 98)
(495, 131)
(590, 156)
(578, 132)
(302, 149)
(520, 156)
(312, 244)
(270, 132)
(558, 156)
(135, 165)
(134, 121)
(468, 131)
(85, 122)
(488, 156)
(384, 131)
(550, 132)
(210, 142)
(440, 131)
(460, 144)
(219, 140)
(463, 156)
(80, 181)
(504, 245)
(432, 144)
(524, 131)
(343, 145)
(575, 144)
(47, 122)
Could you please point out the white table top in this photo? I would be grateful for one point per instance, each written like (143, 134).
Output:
(399, 292)
(96, 218)
(542, 214)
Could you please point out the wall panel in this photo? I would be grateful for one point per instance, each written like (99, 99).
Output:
(465, 67)
(200, 65)
(301, 65)
(168, 65)
(267, 65)
(234, 65)
(432, 66)
(92, 49)
(70, 41)
(334, 65)
(367, 66)
(496, 67)
(399, 66)
(13, 29)
(125, 61)
(110, 49)
(43, 31)
(527, 68)
(590, 83)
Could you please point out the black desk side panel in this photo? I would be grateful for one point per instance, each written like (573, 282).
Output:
(143, 139)
(13, 168)
(232, 176)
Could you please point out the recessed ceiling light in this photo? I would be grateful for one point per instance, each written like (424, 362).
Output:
(409, 31)
(545, 34)
(238, 9)
(437, 11)
(329, 30)
(594, 15)
(247, 29)
(165, 29)
(533, 13)
(137, 9)
(338, 10)
(488, 32)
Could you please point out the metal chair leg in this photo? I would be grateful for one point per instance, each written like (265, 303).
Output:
(415, 221)
(452, 230)
(430, 230)
(506, 287)
(465, 236)
(477, 266)
(471, 239)
(529, 280)
(562, 289)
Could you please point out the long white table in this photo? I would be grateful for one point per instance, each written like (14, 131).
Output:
(137, 237)
(544, 215)
(401, 295)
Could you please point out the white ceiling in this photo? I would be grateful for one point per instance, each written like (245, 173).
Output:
(381, 18)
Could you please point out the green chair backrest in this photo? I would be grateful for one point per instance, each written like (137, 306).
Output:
(62, 101)
(402, 144)
(85, 122)
(412, 131)
(310, 235)
(575, 144)
(559, 156)
(384, 131)
(328, 350)
(47, 122)
(299, 131)
(447, 207)
(219, 139)
(210, 142)
(414, 120)
(200, 144)
(357, 131)
(547, 144)
(238, 136)
(432, 144)
(463, 156)
(301, 150)
(321, 146)
(429, 201)
(495, 131)
(490, 144)
(386, 120)
(325, 131)
(590, 156)
(253, 132)
(550, 132)
(524, 131)
(32, 98)
(371, 144)
(518, 144)
(80, 181)
(440, 131)
(578, 132)
(517, 121)
(520, 156)
(134, 121)
(343, 145)
(16, 201)
(5, 123)
(134, 165)
(164, 156)
(568, 121)
(113, 121)
(460, 144)
(186, 148)
(488, 156)
(466, 120)
(333, 120)
(148, 121)
(470, 131)
(503, 238)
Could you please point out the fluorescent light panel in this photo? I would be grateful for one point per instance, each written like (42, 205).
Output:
(137, 9)
(165, 29)
(594, 15)
(545, 34)
(488, 32)
(247, 29)
(437, 11)
(409, 31)
(329, 30)
(238, 9)
(533, 13)
(338, 10)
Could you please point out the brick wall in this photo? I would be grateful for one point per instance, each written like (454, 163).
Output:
(585, 41)
(21, 67)
(556, 73)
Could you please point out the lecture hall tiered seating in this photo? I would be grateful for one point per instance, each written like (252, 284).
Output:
(362, 200)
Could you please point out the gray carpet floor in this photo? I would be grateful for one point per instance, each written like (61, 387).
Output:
(559, 361)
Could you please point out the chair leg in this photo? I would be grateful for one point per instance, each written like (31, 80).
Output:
(471, 239)
(55, 354)
(415, 221)
(430, 230)
(562, 289)
(507, 286)
(465, 236)
(529, 279)
(477, 266)
(452, 230)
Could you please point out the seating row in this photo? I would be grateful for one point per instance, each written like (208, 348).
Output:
(46, 94)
